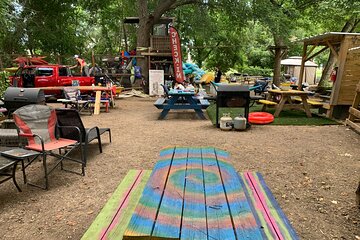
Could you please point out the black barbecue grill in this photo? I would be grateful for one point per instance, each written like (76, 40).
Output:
(15, 98)
(233, 96)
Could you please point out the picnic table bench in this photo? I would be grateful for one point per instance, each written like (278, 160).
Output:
(192, 193)
(181, 100)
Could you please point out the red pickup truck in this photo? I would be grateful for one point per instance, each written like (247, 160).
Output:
(48, 76)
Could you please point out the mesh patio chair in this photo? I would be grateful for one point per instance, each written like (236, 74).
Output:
(37, 123)
(70, 117)
(75, 100)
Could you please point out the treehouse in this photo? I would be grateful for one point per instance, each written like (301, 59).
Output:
(158, 55)
(159, 37)
(346, 48)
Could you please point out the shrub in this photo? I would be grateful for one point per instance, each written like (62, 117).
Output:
(4, 82)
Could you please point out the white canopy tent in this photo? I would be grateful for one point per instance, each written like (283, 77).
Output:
(293, 65)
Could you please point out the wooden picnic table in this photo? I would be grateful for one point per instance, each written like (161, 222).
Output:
(96, 89)
(192, 193)
(286, 101)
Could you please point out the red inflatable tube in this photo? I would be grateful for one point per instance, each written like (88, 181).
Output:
(260, 118)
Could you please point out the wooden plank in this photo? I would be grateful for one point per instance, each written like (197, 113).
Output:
(273, 221)
(244, 222)
(267, 102)
(355, 112)
(117, 211)
(341, 60)
(194, 214)
(159, 103)
(144, 216)
(168, 221)
(97, 103)
(219, 220)
(355, 126)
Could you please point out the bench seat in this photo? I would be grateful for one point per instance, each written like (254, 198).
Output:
(159, 103)
(204, 103)
(312, 103)
(116, 214)
(267, 102)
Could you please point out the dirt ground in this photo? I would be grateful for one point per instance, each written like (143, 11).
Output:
(313, 172)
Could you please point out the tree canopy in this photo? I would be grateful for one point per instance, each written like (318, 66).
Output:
(231, 33)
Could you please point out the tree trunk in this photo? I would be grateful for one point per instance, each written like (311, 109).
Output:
(279, 47)
(143, 41)
(146, 23)
(348, 27)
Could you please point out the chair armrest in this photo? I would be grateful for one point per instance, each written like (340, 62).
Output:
(27, 135)
(72, 127)
(89, 130)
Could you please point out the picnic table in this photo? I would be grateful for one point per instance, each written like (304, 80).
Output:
(192, 193)
(181, 100)
(96, 89)
(286, 101)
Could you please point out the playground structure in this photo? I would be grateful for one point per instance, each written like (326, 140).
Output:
(346, 48)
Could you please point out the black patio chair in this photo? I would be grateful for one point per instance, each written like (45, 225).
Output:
(70, 117)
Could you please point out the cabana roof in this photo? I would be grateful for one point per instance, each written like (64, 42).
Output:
(296, 61)
(333, 38)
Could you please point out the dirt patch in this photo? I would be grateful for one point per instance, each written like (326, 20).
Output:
(312, 171)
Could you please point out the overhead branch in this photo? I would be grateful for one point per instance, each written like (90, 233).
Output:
(167, 5)
(306, 4)
(161, 8)
(185, 2)
(280, 6)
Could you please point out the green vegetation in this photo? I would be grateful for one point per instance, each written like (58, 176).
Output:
(4, 82)
(233, 34)
(287, 117)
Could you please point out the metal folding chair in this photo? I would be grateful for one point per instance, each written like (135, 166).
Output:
(75, 100)
(37, 123)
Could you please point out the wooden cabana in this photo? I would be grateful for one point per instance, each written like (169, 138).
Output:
(346, 48)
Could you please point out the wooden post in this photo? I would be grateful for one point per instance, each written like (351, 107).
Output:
(97, 103)
(341, 61)
(302, 68)
(125, 37)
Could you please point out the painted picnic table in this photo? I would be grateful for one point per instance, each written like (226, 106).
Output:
(192, 193)
(181, 100)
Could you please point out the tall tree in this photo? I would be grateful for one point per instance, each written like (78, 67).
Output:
(149, 13)
(280, 18)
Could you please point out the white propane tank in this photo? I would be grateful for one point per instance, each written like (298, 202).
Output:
(226, 122)
(240, 123)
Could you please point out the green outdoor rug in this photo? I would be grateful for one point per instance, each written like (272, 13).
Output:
(287, 117)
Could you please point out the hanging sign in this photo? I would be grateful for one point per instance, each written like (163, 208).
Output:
(176, 54)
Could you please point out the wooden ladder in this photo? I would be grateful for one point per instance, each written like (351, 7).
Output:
(354, 112)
